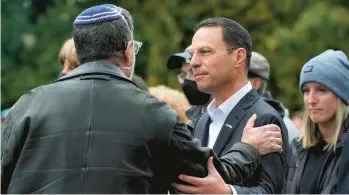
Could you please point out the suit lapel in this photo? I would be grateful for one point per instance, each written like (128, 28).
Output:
(228, 128)
(201, 129)
(233, 119)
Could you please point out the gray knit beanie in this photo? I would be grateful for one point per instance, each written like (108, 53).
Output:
(331, 69)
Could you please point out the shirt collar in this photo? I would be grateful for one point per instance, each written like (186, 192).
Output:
(230, 103)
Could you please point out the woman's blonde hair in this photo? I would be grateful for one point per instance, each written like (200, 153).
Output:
(66, 57)
(310, 131)
(172, 97)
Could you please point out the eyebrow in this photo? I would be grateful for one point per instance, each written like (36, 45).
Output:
(201, 47)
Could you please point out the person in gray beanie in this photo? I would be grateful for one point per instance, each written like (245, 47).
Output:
(258, 75)
(330, 69)
(324, 84)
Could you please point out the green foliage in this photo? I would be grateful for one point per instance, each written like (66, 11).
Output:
(320, 27)
(287, 32)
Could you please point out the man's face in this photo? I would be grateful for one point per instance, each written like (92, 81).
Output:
(212, 65)
(256, 82)
(186, 73)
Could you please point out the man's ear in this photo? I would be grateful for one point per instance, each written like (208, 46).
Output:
(256, 82)
(240, 55)
(75, 54)
(129, 52)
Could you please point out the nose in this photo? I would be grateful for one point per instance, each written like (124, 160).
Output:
(311, 97)
(194, 62)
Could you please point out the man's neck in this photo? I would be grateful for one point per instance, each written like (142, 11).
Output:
(228, 90)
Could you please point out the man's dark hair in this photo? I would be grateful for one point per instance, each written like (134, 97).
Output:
(233, 34)
(103, 40)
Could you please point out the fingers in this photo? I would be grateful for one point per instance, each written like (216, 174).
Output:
(196, 181)
(276, 148)
(271, 127)
(185, 188)
(275, 145)
(269, 132)
(251, 121)
(274, 134)
(210, 167)
(270, 148)
(278, 141)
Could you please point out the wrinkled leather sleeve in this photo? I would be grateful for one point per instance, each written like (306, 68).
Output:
(187, 157)
(14, 134)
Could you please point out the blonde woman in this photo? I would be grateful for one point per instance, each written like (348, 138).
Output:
(66, 57)
(172, 97)
(324, 84)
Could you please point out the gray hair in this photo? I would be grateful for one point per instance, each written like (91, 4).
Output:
(103, 40)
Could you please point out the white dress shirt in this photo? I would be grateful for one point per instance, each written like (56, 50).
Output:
(220, 114)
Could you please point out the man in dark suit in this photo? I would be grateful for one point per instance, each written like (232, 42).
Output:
(220, 58)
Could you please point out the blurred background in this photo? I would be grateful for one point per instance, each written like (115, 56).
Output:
(286, 32)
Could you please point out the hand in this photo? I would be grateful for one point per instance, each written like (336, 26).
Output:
(266, 139)
(211, 184)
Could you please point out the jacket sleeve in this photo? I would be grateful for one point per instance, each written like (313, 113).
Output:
(273, 168)
(293, 165)
(189, 158)
(343, 170)
(179, 153)
(13, 135)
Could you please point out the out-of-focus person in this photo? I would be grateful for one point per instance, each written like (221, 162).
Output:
(172, 97)
(66, 58)
(198, 100)
(297, 119)
(258, 75)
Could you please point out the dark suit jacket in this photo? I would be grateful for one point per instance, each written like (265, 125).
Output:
(270, 175)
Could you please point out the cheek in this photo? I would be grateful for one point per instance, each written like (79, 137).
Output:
(221, 67)
(330, 106)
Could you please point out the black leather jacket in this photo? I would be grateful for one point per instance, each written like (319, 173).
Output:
(298, 161)
(94, 131)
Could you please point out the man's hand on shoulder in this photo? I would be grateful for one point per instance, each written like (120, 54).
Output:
(266, 139)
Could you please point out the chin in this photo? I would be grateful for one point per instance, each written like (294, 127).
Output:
(203, 88)
(317, 120)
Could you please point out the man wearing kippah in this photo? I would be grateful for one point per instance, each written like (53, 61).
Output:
(258, 75)
(95, 131)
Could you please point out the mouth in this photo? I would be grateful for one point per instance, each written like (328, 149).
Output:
(198, 75)
(315, 110)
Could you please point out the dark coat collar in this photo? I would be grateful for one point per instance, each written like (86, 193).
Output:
(96, 67)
